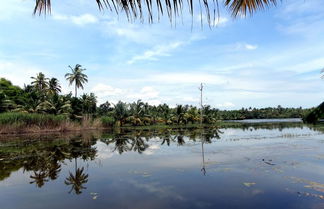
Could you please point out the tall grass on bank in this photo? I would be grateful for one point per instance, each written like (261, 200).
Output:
(22, 122)
(27, 119)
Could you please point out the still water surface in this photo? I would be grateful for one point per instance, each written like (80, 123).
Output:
(253, 166)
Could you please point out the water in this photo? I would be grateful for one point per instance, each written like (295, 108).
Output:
(251, 166)
(274, 120)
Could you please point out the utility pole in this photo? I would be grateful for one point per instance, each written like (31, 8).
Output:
(201, 103)
(203, 168)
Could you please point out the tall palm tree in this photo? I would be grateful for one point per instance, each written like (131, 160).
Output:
(54, 86)
(77, 77)
(40, 82)
(173, 8)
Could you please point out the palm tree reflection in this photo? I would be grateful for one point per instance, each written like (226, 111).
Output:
(77, 179)
(39, 178)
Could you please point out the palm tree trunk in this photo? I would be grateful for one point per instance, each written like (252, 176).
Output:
(76, 93)
(75, 164)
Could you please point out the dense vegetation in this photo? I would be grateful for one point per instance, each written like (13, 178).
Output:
(315, 115)
(262, 113)
(40, 104)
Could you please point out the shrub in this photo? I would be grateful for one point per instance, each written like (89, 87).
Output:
(107, 121)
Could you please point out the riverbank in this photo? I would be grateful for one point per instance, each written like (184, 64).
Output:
(21, 123)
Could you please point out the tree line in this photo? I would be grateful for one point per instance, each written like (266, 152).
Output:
(43, 96)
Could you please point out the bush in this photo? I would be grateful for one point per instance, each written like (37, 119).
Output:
(107, 121)
(315, 115)
(28, 119)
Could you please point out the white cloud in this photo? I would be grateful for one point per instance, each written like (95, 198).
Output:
(158, 51)
(106, 90)
(84, 19)
(250, 46)
(80, 20)
(15, 8)
(226, 105)
(187, 78)
(103, 151)
(151, 149)
(221, 21)
(145, 93)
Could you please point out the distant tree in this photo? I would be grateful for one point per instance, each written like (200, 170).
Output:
(121, 112)
(89, 103)
(105, 108)
(54, 86)
(77, 77)
(40, 82)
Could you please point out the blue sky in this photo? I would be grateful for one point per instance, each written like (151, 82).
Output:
(272, 58)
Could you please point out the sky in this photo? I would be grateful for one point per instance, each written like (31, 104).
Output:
(271, 58)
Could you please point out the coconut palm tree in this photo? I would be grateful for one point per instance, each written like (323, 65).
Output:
(54, 86)
(77, 77)
(40, 82)
(135, 9)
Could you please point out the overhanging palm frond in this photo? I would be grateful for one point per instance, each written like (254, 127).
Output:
(136, 8)
(242, 7)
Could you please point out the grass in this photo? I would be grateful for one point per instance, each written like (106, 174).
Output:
(12, 122)
(26, 119)
(17, 123)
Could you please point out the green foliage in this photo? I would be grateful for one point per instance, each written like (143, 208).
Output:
(107, 121)
(262, 113)
(315, 115)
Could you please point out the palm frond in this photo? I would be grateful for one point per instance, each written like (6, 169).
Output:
(242, 7)
(135, 9)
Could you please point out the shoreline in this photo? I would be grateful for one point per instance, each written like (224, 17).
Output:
(18, 131)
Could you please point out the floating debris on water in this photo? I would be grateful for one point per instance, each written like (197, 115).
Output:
(249, 184)
(268, 162)
(94, 195)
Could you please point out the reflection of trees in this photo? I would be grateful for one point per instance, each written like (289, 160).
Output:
(138, 144)
(77, 180)
(122, 144)
(44, 157)
(39, 178)
(54, 170)
(127, 143)
(266, 125)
